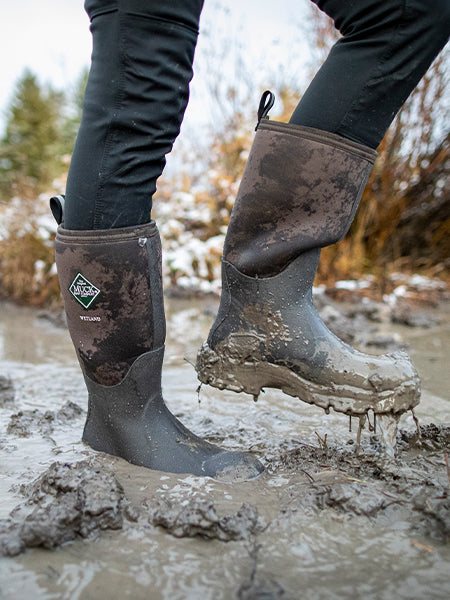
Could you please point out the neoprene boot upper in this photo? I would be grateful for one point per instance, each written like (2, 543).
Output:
(300, 190)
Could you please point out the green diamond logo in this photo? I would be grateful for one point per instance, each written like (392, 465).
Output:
(83, 291)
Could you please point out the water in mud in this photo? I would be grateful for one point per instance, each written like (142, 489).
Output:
(320, 522)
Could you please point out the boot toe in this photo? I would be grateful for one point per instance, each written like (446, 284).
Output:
(232, 466)
(397, 373)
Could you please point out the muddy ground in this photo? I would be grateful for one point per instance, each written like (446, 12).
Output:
(321, 522)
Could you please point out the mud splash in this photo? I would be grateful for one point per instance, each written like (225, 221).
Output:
(321, 522)
(387, 425)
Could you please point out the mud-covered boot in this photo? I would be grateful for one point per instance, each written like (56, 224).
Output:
(112, 289)
(299, 192)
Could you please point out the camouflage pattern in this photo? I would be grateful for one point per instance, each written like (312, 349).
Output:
(111, 327)
(300, 190)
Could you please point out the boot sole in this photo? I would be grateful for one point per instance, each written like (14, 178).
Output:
(224, 372)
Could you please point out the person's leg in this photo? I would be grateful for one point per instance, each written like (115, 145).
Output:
(385, 48)
(135, 99)
(108, 252)
(300, 191)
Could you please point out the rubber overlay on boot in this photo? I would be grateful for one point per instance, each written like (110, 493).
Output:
(269, 335)
(131, 420)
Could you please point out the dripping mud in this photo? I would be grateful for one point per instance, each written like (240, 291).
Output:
(322, 520)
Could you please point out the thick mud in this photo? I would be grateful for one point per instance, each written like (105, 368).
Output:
(65, 502)
(198, 517)
(25, 423)
(322, 521)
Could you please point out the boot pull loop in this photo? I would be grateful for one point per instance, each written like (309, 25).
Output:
(265, 104)
(57, 208)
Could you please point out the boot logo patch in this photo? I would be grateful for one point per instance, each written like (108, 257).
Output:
(83, 291)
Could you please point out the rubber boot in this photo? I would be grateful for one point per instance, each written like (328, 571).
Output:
(112, 288)
(299, 192)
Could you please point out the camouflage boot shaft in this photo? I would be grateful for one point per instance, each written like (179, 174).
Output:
(113, 300)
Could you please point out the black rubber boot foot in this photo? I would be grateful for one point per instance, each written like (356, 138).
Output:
(131, 420)
(269, 335)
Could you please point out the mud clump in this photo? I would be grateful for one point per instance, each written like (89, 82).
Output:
(335, 490)
(402, 314)
(352, 498)
(69, 501)
(432, 437)
(358, 324)
(413, 488)
(199, 518)
(370, 464)
(65, 502)
(435, 515)
(7, 394)
(26, 422)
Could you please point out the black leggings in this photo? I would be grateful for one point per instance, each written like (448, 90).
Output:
(138, 90)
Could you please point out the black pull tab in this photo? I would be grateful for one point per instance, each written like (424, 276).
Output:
(57, 208)
(265, 104)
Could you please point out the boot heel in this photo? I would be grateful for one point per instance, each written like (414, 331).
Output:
(225, 371)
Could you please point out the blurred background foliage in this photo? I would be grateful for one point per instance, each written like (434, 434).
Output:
(403, 223)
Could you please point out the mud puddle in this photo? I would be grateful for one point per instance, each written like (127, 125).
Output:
(320, 522)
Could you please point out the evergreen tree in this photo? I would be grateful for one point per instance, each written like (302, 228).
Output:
(29, 157)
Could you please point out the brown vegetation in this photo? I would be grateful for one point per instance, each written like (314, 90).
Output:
(404, 214)
(27, 274)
